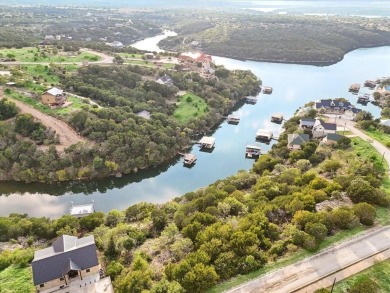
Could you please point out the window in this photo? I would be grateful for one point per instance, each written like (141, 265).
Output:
(42, 285)
(88, 270)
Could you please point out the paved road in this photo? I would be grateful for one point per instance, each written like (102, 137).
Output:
(295, 276)
(67, 135)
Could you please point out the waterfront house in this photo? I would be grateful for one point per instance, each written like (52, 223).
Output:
(306, 123)
(331, 138)
(321, 128)
(165, 79)
(331, 106)
(69, 265)
(296, 140)
(54, 97)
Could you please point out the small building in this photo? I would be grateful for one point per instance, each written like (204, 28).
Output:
(165, 79)
(263, 134)
(277, 118)
(207, 142)
(54, 97)
(370, 83)
(296, 140)
(306, 123)
(355, 87)
(251, 100)
(252, 151)
(49, 38)
(321, 128)
(332, 138)
(233, 119)
(69, 265)
(80, 211)
(189, 159)
(144, 114)
(267, 90)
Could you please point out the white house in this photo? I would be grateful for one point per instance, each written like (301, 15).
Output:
(321, 128)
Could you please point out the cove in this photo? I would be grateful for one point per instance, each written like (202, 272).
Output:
(293, 86)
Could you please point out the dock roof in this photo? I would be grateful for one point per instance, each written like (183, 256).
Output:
(82, 209)
(207, 140)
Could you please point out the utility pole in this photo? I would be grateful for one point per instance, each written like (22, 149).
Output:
(345, 124)
(334, 282)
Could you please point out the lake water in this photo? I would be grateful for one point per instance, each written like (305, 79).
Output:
(293, 86)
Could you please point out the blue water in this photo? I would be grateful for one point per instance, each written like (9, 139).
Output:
(293, 86)
(387, 87)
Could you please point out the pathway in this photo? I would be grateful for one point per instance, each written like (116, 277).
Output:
(322, 265)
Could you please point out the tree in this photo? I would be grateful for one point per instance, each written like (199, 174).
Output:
(8, 109)
(365, 212)
(118, 60)
(92, 221)
(159, 219)
(318, 230)
(200, 278)
(164, 286)
(111, 250)
(361, 191)
(363, 285)
(114, 217)
(114, 269)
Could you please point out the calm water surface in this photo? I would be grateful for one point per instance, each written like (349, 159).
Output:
(293, 86)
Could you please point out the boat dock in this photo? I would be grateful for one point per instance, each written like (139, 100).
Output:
(263, 134)
(277, 118)
(189, 159)
(233, 119)
(251, 100)
(267, 90)
(80, 211)
(370, 83)
(355, 87)
(364, 99)
(207, 142)
(252, 151)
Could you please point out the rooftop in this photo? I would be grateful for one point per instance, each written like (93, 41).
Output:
(55, 91)
(207, 140)
(82, 209)
(297, 138)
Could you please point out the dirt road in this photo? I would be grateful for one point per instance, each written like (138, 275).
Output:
(66, 134)
(299, 275)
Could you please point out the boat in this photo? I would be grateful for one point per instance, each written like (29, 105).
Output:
(189, 159)
(267, 90)
(233, 119)
(207, 142)
(252, 151)
(80, 211)
(277, 118)
(263, 134)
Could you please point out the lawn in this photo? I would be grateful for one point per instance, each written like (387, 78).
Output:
(131, 56)
(48, 54)
(365, 150)
(380, 273)
(379, 135)
(190, 106)
(16, 280)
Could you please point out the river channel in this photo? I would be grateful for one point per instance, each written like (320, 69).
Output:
(293, 86)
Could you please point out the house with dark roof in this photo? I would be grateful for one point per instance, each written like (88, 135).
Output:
(306, 123)
(296, 140)
(333, 106)
(332, 138)
(70, 264)
(321, 128)
(165, 79)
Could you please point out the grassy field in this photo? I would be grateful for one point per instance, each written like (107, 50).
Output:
(131, 56)
(16, 280)
(190, 106)
(379, 136)
(380, 273)
(50, 54)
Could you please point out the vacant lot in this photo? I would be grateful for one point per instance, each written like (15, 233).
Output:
(16, 280)
(190, 106)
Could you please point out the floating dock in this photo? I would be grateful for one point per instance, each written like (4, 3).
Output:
(80, 211)
(355, 87)
(370, 83)
(251, 100)
(189, 159)
(267, 90)
(364, 99)
(207, 142)
(277, 118)
(233, 119)
(263, 134)
(252, 151)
